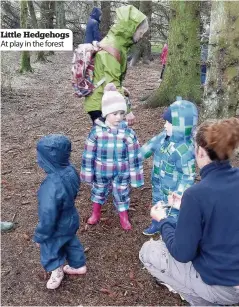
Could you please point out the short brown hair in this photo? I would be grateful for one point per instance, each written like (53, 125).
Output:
(219, 138)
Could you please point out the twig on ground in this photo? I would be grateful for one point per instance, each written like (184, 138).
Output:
(13, 218)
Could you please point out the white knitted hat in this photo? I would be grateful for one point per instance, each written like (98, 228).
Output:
(112, 100)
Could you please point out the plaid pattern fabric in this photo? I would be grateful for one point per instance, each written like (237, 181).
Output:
(111, 153)
(120, 191)
(184, 120)
(83, 69)
(174, 167)
(150, 148)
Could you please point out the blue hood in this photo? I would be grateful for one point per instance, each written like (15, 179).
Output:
(53, 152)
(184, 119)
(96, 13)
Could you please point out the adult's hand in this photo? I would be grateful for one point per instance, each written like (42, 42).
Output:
(177, 200)
(158, 213)
(174, 200)
(130, 118)
(170, 199)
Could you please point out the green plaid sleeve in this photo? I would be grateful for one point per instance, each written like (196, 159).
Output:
(148, 149)
(186, 168)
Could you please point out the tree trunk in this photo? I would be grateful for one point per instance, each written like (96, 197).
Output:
(44, 10)
(51, 19)
(40, 54)
(106, 18)
(135, 3)
(182, 73)
(32, 14)
(10, 17)
(60, 14)
(143, 48)
(221, 94)
(25, 56)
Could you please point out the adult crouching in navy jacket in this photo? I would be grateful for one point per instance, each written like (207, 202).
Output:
(199, 256)
(92, 32)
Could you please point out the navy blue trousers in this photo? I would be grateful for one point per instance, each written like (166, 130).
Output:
(55, 251)
(203, 73)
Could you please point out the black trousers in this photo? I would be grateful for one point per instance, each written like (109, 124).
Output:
(94, 115)
(161, 76)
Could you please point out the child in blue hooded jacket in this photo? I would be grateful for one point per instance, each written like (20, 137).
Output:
(58, 216)
(174, 160)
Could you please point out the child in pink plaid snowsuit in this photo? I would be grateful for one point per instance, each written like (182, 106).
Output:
(111, 158)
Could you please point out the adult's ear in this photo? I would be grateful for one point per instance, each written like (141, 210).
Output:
(202, 153)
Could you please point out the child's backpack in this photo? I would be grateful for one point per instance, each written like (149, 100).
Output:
(83, 67)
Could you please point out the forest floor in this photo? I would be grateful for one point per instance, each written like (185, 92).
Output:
(42, 103)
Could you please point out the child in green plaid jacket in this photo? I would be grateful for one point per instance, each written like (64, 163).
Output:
(174, 160)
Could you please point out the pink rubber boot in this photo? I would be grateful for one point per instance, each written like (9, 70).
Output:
(95, 216)
(124, 220)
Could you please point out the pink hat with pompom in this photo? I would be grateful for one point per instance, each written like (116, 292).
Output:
(112, 100)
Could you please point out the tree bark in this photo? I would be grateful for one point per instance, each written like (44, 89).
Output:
(221, 93)
(9, 15)
(106, 18)
(44, 22)
(52, 9)
(51, 14)
(143, 47)
(135, 3)
(41, 56)
(32, 14)
(60, 15)
(49, 20)
(182, 73)
(25, 56)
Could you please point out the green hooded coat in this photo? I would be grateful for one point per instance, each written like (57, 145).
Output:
(120, 36)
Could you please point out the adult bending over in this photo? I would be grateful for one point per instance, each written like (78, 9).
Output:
(129, 27)
(199, 258)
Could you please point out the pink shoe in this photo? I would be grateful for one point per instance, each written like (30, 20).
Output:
(124, 220)
(55, 279)
(95, 217)
(72, 271)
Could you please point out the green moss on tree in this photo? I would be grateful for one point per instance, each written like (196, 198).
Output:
(25, 62)
(182, 73)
